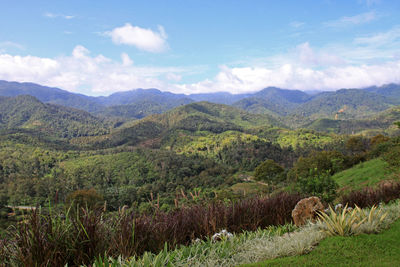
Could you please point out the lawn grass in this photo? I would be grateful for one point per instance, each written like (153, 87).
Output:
(368, 173)
(363, 250)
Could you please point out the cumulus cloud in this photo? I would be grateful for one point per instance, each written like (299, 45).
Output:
(369, 60)
(251, 79)
(353, 20)
(143, 39)
(53, 16)
(307, 56)
(81, 72)
(126, 60)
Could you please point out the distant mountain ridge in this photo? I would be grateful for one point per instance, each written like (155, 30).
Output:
(273, 100)
(50, 95)
(139, 103)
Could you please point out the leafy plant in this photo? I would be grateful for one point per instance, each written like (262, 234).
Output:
(351, 221)
(318, 184)
(342, 223)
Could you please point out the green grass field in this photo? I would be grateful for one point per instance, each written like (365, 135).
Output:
(363, 250)
(367, 173)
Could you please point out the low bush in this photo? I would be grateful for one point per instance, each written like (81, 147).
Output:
(367, 197)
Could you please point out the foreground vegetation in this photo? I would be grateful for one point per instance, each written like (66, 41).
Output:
(271, 243)
(361, 250)
(78, 236)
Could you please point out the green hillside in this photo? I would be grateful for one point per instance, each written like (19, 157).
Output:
(383, 122)
(345, 103)
(29, 113)
(191, 118)
(369, 173)
(273, 101)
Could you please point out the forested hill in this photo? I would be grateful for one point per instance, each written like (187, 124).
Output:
(346, 103)
(297, 107)
(273, 100)
(140, 103)
(200, 116)
(383, 122)
(49, 95)
(389, 90)
(28, 112)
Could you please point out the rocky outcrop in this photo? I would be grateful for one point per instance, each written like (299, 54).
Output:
(306, 209)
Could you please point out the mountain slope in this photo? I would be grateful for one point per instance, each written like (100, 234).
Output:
(200, 116)
(389, 90)
(49, 95)
(219, 97)
(144, 95)
(344, 104)
(28, 112)
(272, 100)
(382, 122)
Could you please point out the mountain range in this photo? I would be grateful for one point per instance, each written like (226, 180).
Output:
(293, 108)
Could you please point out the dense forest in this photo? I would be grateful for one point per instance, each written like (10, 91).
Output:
(143, 145)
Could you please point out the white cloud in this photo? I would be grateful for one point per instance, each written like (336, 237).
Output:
(81, 72)
(173, 77)
(296, 24)
(53, 16)
(381, 38)
(307, 56)
(353, 20)
(126, 60)
(8, 44)
(144, 39)
(251, 79)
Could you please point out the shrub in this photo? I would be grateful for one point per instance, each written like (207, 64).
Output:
(318, 184)
(367, 197)
(269, 171)
(320, 162)
(392, 157)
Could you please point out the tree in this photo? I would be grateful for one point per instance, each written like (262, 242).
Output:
(318, 184)
(269, 171)
(356, 144)
(318, 162)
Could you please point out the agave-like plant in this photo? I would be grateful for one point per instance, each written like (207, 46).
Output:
(374, 219)
(343, 223)
(351, 221)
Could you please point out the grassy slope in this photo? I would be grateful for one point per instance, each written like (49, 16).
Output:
(362, 250)
(367, 173)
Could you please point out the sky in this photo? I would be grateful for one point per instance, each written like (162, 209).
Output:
(190, 46)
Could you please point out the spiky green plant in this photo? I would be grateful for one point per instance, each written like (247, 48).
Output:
(351, 221)
(342, 223)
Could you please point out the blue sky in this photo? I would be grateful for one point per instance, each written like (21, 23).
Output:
(100, 47)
